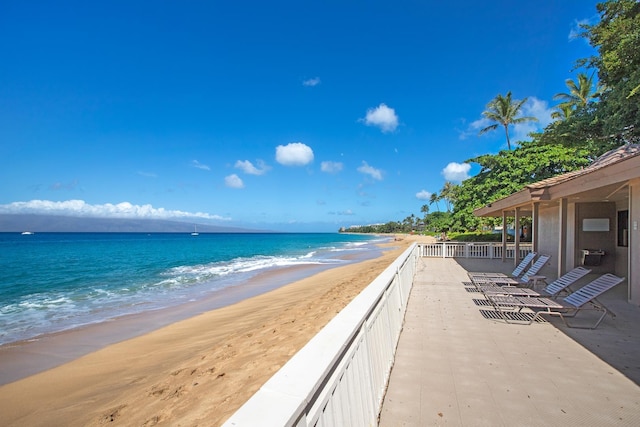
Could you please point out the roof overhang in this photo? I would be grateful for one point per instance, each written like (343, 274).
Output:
(599, 184)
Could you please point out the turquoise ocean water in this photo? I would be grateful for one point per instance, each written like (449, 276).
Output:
(51, 282)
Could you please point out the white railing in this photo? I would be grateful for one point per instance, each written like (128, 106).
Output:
(488, 250)
(340, 376)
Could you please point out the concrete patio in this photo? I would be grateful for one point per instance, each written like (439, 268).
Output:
(456, 367)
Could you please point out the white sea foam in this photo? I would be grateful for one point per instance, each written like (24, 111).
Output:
(112, 289)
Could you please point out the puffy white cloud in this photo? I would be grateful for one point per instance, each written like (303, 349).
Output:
(196, 164)
(371, 171)
(247, 167)
(423, 195)
(233, 181)
(331, 167)
(383, 117)
(456, 172)
(311, 82)
(537, 108)
(294, 154)
(107, 210)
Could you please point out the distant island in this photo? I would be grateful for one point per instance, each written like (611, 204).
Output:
(60, 224)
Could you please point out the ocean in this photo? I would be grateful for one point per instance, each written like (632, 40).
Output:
(53, 282)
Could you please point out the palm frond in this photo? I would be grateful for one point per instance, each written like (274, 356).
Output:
(488, 129)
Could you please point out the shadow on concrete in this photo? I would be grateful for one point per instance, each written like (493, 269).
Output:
(616, 341)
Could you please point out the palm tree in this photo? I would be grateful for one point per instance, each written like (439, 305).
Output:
(434, 198)
(563, 112)
(408, 223)
(504, 111)
(448, 194)
(580, 92)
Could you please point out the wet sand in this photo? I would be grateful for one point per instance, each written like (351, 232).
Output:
(196, 371)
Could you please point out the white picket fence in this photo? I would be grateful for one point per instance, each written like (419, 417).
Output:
(340, 376)
(487, 250)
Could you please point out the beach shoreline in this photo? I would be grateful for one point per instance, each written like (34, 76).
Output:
(20, 359)
(200, 368)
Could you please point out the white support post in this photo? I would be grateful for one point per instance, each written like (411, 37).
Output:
(535, 218)
(504, 236)
(562, 238)
(516, 237)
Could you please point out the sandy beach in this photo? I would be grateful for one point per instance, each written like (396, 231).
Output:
(196, 371)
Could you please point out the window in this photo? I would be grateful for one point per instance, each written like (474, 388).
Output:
(623, 228)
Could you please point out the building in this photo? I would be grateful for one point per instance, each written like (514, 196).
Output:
(585, 217)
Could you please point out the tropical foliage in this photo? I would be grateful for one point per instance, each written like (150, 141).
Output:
(580, 93)
(602, 119)
(591, 118)
(508, 172)
(617, 39)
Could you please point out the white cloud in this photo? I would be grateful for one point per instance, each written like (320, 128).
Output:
(233, 181)
(371, 171)
(294, 154)
(107, 210)
(331, 167)
(423, 195)
(456, 172)
(196, 164)
(537, 108)
(576, 29)
(383, 117)
(482, 123)
(247, 167)
(311, 82)
(473, 128)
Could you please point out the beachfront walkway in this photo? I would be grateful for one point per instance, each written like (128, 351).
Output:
(456, 368)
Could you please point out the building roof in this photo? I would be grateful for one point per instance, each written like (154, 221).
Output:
(610, 157)
(586, 179)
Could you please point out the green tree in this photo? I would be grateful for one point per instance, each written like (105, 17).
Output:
(408, 223)
(563, 112)
(434, 198)
(438, 222)
(580, 93)
(617, 39)
(504, 111)
(508, 172)
(615, 119)
(448, 194)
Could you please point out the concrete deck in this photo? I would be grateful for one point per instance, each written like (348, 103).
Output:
(455, 367)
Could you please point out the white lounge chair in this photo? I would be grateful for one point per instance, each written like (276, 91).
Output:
(568, 307)
(526, 261)
(510, 281)
(552, 290)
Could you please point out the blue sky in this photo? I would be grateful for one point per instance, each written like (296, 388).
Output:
(280, 115)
